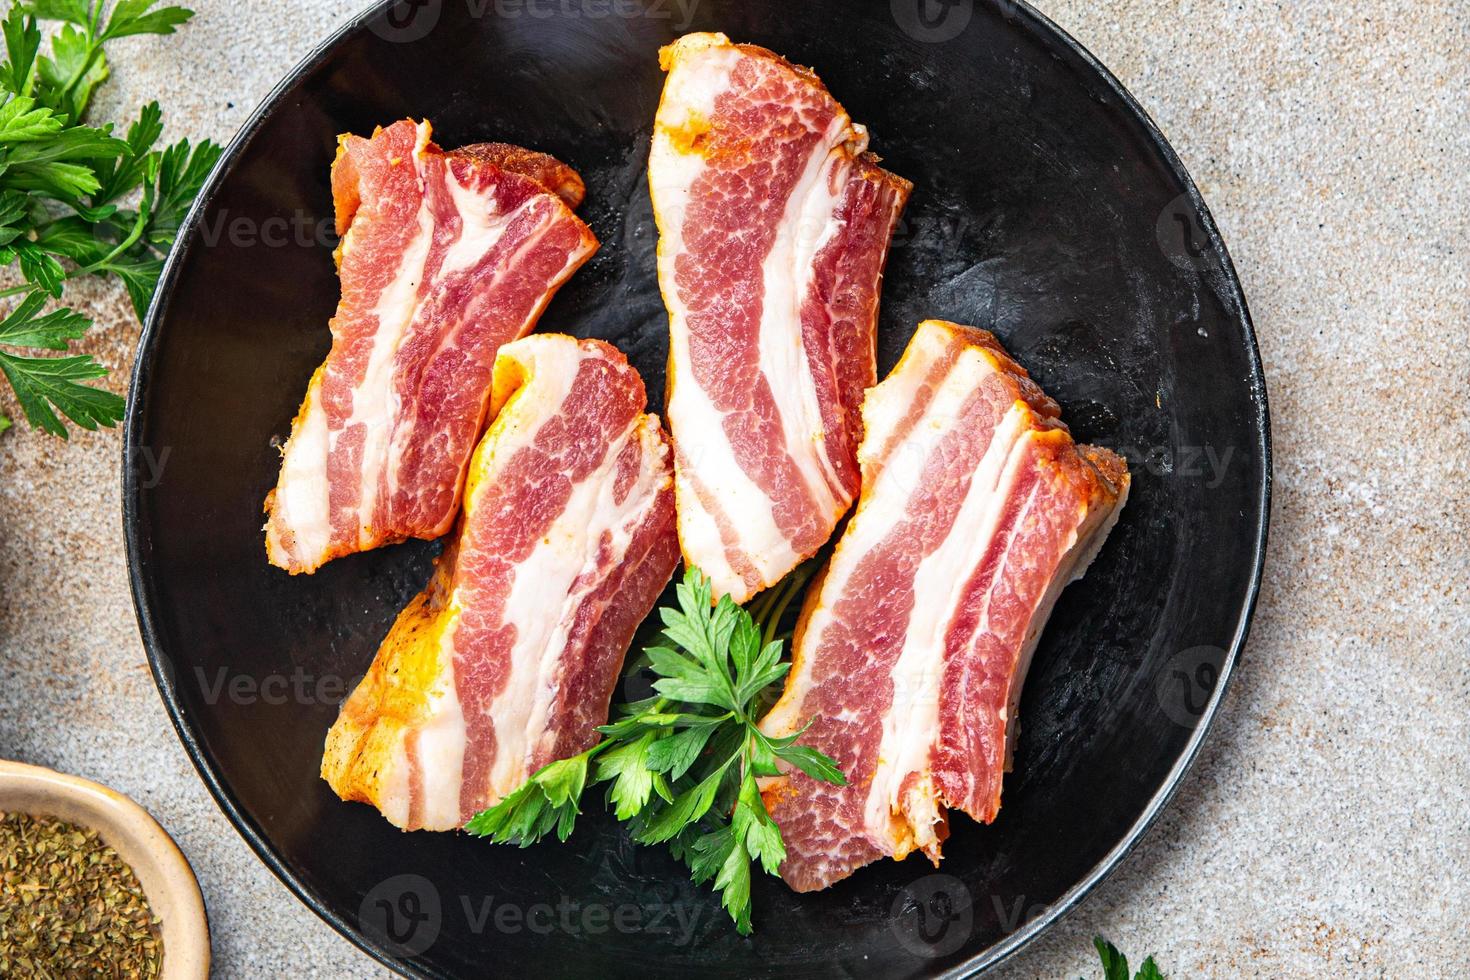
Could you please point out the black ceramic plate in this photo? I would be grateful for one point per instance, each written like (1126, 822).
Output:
(1046, 208)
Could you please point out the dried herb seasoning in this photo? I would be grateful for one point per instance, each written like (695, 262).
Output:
(69, 906)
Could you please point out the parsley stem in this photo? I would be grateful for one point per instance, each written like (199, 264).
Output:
(741, 753)
(707, 719)
(127, 243)
(762, 605)
(94, 48)
(790, 586)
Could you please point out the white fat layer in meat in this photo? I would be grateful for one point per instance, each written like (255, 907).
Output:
(543, 599)
(887, 404)
(912, 719)
(303, 491)
(549, 379)
(480, 229)
(440, 754)
(301, 496)
(700, 537)
(910, 817)
(912, 723)
(593, 509)
(880, 508)
(809, 223)
(441, 743)
(544, 594)
(374, 402)
(393, 792)
(689, 97)
(700, 72)
(822, 208)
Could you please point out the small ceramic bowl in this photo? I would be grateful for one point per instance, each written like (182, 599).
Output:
(162, 869)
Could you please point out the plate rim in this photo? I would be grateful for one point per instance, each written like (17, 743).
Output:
(145, 353)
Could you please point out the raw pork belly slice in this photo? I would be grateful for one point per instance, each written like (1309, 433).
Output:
(508, 659)
(976, 510)
(774, 224)
(444, 257)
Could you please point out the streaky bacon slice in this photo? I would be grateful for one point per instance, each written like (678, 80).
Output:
(774, 224)
(444, 258)
(508, 659)
(976, 511)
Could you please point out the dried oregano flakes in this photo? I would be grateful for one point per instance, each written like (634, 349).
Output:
(70, 906)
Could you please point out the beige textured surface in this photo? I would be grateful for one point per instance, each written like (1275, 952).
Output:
(1324, 831)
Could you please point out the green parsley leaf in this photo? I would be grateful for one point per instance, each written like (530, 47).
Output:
(22, 121)
(755, 829)
(733, 884)
(673, 756)
(79, 12)
(75, 143)
(545, 802)
(14, 210)
(43, 383)
(707, 852)
(626, 764)
(687, 807)
(68, 77)
(74, 238)
(762, 761)
(140, 277)
(135, 17)
(124, 173)
(62, 185)
(813, 763)
(40, 269)
(182, 171)
(22, 44)
(766, 668)
(22, 328)
(62, 181)
(1115, 964)
(1149, 971)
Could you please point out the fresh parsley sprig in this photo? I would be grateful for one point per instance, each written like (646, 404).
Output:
(1115, 964)
(682, 766)
(76, 200)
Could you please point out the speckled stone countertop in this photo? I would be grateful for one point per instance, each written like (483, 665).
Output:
(1325, 830)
